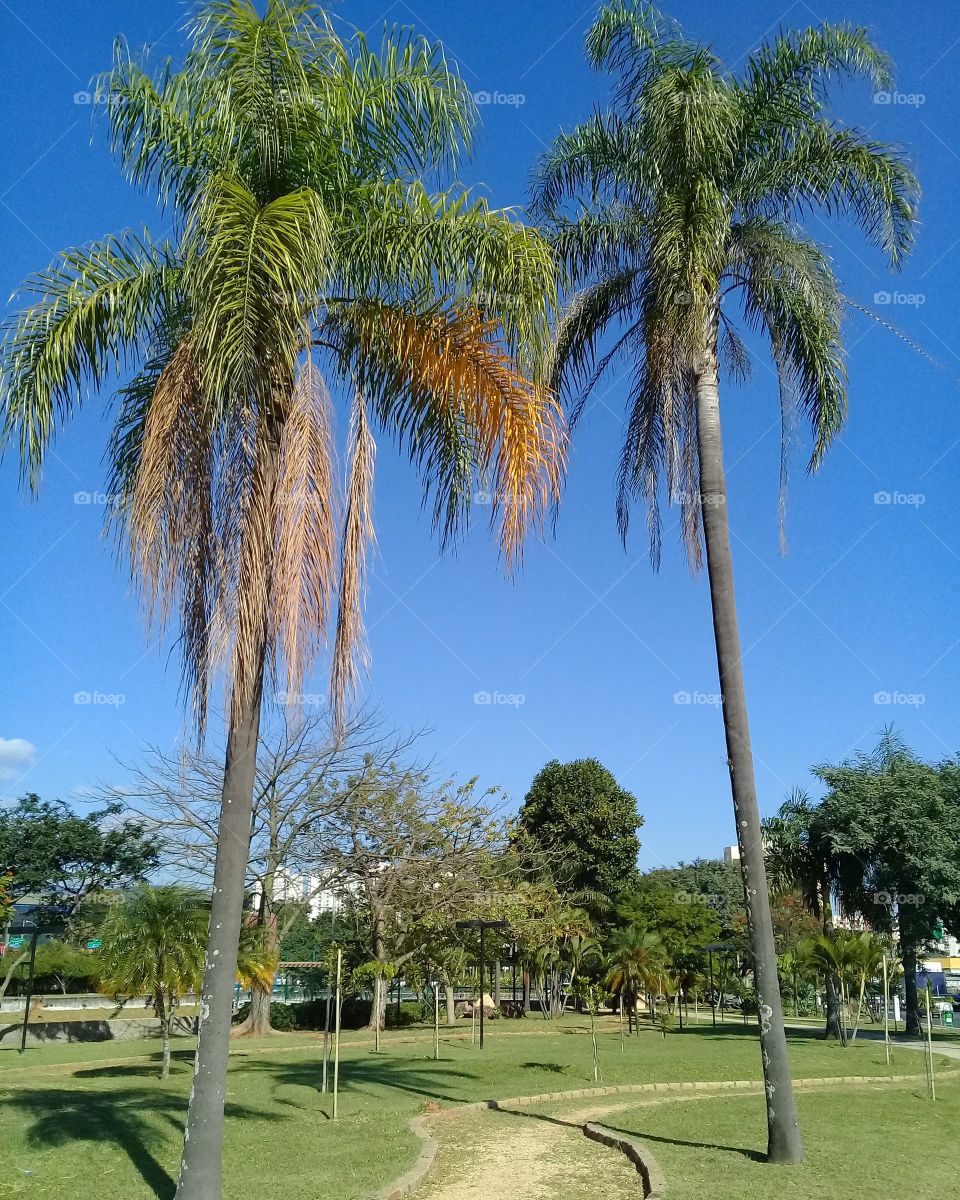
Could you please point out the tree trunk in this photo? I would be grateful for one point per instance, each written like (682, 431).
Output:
(913, 1023)
(834, 1029)
(200, 1168)
(783, 1131)
(526, 991)
(451, 1001)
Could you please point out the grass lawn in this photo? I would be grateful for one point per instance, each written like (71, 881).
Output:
(105, 1126)
(858, 1142)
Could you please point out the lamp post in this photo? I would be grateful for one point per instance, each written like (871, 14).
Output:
(19, 927)
(483, 926)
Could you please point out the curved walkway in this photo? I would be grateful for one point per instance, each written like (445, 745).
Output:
(496, 1149)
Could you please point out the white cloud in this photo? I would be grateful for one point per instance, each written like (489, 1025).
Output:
(16, 755)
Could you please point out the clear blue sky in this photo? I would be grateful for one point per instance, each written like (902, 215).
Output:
(597, 646)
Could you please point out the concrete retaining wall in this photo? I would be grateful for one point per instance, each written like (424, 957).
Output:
(42, 1033)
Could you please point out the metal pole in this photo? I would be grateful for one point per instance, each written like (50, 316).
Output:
(483, 963)
(29, 997)
(336, 1039)
(436, 1019)
(713, 993)
(326, 1016)
(886, 1011)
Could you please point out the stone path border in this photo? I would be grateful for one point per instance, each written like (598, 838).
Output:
(654, 1185)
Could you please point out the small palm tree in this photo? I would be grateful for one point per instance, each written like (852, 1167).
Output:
(635, 963)
(154, 944)
(682, 202)
(867, 953)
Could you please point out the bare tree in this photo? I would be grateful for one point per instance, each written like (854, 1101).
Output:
(304, 779)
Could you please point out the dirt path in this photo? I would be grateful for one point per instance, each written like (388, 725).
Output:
(502, 1154)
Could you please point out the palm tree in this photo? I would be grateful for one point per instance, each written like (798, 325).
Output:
(868, 953)
(306, 251)
(153, 944)
(635, 964)
(684, 199)
(799, 856)
(836, 955)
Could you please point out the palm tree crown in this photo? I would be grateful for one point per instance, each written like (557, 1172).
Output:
(685, 200)
(306, 250)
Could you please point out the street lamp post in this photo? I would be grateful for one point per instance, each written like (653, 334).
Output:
(483, 926)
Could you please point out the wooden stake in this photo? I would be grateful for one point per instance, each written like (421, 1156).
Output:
(336, 1038)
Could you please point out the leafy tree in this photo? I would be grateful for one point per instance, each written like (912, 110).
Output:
(62, 965)
(800, 858)
(305, 249)
(636, 962)
(893, 823)
(719, 884)
(60, 858)
(585, 824)
(682, 922)
(682, 202)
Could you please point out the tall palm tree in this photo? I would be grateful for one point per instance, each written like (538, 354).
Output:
(799, 856)
(682, 201)
(306, 251)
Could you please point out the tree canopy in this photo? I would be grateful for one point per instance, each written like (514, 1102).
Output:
(586, 826)
(61, 857)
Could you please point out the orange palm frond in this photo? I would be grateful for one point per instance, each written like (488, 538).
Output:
(447, 374)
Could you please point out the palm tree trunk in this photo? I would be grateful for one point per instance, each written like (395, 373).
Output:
(783, 1131)
(200, 1169)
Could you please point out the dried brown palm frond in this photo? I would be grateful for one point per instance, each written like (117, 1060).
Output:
(350, 654)
(305, 527)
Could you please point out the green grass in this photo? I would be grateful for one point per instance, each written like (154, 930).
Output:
(110, 1129)
(858, 1143)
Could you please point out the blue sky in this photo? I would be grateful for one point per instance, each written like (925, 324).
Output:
(592, 651)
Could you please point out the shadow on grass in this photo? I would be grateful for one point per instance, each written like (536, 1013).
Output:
(553, 1067)
(422, 1078)
(752, 1155)
(121, 1116)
